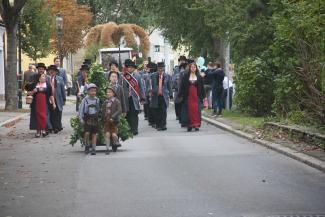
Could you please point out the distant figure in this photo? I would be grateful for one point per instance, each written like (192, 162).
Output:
(29, 74)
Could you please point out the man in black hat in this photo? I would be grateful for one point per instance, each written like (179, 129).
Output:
(152, 111)
(41, 69)
(59, 95)
(80, 85)
(161, 92)
(134, 93)
(177, 77)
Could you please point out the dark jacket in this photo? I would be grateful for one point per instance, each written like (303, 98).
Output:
(218, 75)
(183, 92)
(166, 89)
(116, 111)
(120, 96)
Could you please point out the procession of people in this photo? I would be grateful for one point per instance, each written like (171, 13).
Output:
(129, 91)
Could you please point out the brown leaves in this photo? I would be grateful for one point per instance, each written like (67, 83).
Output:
(76, 22)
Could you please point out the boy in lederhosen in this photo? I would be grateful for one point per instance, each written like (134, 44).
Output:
(88, 115)
(112, 111)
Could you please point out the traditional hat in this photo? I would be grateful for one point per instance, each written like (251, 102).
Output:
(161, 65)
(190, 61)
(53, 67)
(112, 88)
(182, 58)
(84, 67)
(87, 62)
(41, 65)
(130, 63)
(91, 86)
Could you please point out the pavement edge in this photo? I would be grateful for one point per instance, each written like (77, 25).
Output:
(306, 159)
(13, 121)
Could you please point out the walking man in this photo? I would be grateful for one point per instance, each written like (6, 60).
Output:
(59, 98)
(176, 80)
(161, 92)
(134, 93)
(62, 71)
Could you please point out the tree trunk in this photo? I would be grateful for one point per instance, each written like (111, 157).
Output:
(11, 87)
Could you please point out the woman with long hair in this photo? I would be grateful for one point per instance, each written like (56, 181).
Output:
(41, 91)
(192, 94)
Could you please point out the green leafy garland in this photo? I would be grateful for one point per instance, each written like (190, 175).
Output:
(97, 77)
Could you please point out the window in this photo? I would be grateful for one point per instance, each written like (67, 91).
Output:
(157, 48)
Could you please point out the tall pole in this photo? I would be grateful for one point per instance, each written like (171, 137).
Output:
(227, 63)
(20, 74)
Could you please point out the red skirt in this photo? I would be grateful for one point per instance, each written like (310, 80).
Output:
(193, 107)
(41, 111)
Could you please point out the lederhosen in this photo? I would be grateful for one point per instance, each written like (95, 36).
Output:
(91, 120)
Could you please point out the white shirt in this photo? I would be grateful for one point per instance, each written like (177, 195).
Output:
(225, 83)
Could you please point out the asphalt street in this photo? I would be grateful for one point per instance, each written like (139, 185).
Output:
(156, 174)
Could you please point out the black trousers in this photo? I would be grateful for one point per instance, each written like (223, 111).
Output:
(178, 110)
(152, 115)
(146, 108)
(132, 117)
(161, 112)
(56, 117)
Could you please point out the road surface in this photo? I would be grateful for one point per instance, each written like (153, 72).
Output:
(156, 174)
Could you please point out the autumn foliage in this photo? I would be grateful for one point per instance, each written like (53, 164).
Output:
(76, 23)
(110, 34)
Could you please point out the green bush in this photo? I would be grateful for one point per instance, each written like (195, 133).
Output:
(254, 87)
(97, 77)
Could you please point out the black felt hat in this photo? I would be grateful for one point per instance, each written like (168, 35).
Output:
(41, 65)
(130, 63)
(182, 58)
(190, 61)
(87, 62)
(161, 65)
(53, 67)
(84, 67)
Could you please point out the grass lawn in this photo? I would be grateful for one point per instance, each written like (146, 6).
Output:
(241, 118)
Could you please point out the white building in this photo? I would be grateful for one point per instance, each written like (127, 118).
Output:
(2, 70)
(162, 51)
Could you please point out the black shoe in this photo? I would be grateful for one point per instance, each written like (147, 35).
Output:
(159, 129)
(197, 129)
(44, 134)
(61, 129)
(107, 152)
(87, 150)
(135, 133)
(164, 128)
(56, 131)
(189, 129)
(93, 152)
(154, 126)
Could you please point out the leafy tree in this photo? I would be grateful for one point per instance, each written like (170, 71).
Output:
(36, 29)
(10, 14)
(76, 21)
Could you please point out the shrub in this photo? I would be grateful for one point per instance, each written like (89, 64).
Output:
(254, 87)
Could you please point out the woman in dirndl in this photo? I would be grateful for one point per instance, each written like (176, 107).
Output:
(192, 95)
(41, 91)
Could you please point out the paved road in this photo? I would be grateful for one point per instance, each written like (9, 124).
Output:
(157, 174)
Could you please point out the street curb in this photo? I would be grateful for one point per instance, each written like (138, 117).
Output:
(306, 159)
(13, 121)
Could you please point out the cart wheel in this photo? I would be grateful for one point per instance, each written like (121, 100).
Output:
(114, 148)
